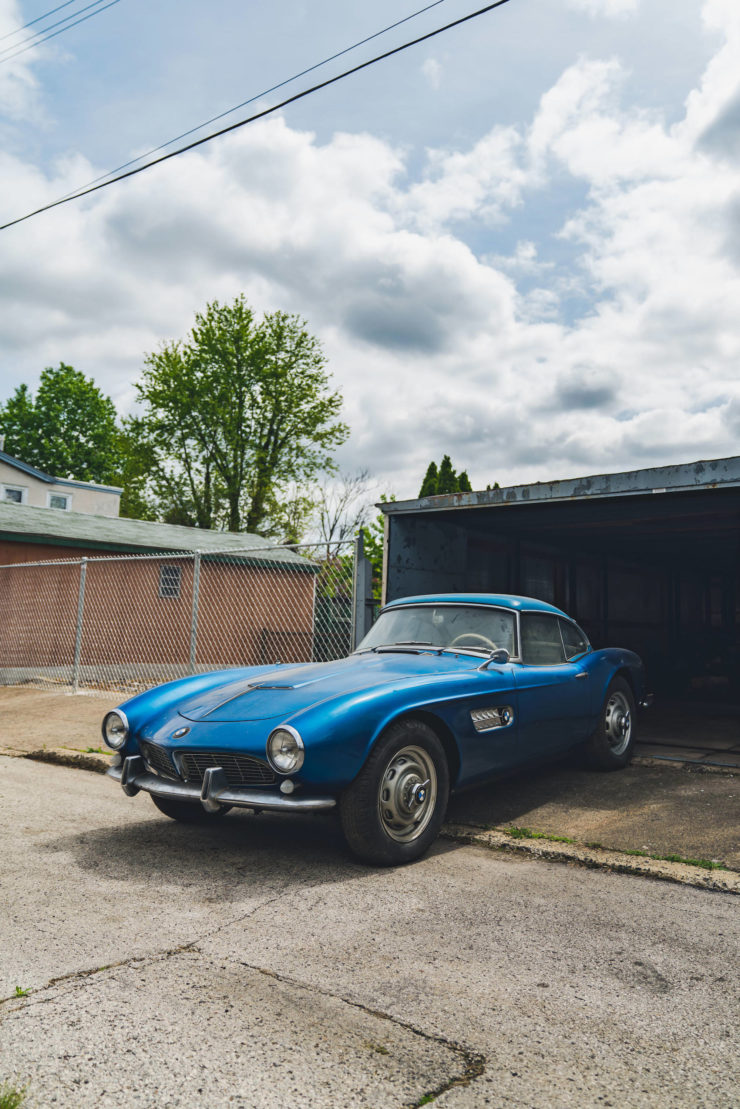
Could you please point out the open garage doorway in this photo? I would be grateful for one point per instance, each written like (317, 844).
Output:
(648, 559)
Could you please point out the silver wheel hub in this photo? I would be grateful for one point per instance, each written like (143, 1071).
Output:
(618, 723)
(407, 794)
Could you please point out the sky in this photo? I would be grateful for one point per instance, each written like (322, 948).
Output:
(519, 242)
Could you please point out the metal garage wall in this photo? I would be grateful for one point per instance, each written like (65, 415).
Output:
(652, 567)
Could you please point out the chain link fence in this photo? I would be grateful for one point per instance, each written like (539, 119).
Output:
(128, 622)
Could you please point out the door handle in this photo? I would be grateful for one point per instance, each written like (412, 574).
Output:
(581, 677)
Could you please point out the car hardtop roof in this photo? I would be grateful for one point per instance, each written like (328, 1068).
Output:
(499, 600)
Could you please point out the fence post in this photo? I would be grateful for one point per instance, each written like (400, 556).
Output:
(194, 610)
(362, 591)
(78, 632)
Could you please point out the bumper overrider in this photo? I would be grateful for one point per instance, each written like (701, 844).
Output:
(215, 790)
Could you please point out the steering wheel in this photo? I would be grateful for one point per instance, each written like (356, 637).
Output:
(473, 635)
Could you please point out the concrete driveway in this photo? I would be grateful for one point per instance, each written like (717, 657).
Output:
(255, 964)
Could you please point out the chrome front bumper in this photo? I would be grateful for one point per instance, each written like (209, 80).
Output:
(215, 791)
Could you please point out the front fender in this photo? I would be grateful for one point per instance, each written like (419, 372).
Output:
(340, 734)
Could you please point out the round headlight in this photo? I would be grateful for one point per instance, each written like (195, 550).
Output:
(285, 750)
(115, 729)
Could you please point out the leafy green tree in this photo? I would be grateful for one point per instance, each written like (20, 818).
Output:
(290, 512)
(137, 463)
(447, 477)
(444, 480)
(430, 482)
(68, 429)
(239, 410)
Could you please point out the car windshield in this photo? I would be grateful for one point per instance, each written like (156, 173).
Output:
(469, 627)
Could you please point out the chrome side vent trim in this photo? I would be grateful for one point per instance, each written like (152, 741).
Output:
(499, 716)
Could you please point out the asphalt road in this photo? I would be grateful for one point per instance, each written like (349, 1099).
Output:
(255, 964)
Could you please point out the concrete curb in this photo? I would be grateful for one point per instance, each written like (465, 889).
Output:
(62, 756)
(602, 858)
(684, 764)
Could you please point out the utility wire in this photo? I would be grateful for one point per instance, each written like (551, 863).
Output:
(36, 20)
(258, 96)
(258, 115)
(8, 56)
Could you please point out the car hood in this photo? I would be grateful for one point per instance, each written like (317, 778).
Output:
(288, 690)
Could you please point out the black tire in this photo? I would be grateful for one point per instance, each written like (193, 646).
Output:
(611, 745)
(187, 812)
(393, 810)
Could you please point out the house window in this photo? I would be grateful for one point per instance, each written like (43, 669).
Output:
(60, 500)
(14, 493)
(169, 581)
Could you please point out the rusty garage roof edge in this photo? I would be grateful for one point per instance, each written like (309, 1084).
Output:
(689, 476)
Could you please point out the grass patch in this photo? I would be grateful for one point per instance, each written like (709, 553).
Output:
(517, 832)
(379, 1048)
(526, 833)
(87, 750)
(20, 992)
(12, 1096)
(705, 864)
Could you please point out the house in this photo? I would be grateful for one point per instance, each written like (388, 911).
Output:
(21, 484)
(139, 602)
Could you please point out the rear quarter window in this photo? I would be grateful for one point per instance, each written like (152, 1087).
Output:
(574, 640)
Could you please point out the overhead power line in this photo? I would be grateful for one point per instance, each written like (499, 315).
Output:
(37, 20)
(258, 115)
(41, 36)
(257, 96)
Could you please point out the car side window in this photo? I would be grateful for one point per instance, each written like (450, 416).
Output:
(541, 642)
(574, 640)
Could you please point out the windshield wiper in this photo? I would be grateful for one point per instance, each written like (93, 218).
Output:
(404, 645)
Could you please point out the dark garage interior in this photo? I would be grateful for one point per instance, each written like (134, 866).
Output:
(648, 559)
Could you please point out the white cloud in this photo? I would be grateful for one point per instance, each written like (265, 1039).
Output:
(485, 182)
(439, 345)
(17, 84)
(432, 70)
(609, 8)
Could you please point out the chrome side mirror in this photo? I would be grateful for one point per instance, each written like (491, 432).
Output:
(499, 655)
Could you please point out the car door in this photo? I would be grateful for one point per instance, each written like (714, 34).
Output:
(553, 685)
(486, 723)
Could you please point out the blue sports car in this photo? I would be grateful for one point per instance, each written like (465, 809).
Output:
(444, 692)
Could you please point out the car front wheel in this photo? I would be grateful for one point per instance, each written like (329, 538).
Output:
(611, 745)
(393, 810)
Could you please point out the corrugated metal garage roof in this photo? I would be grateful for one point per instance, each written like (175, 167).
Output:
(714, 473)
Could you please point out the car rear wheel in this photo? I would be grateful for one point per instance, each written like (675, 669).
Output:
(187, 812)
(393, 810)
(613, 740)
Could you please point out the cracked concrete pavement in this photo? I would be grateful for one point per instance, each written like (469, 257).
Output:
(255, 964)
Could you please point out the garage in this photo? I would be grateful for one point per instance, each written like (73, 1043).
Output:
(646, 559)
